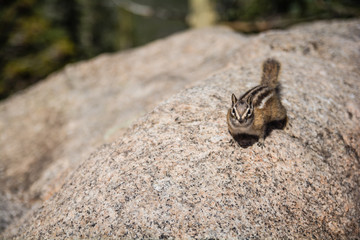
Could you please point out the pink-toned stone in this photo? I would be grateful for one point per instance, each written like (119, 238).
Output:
(46, 131)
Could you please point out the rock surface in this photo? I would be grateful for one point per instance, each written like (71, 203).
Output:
(177, 173)
(49, 129)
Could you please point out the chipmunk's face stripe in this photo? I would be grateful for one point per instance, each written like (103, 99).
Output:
(237, 116)
(244, 115)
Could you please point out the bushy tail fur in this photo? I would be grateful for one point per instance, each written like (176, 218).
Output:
(271, 69)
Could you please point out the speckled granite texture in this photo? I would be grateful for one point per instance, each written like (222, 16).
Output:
(47, 130)
(177, 173)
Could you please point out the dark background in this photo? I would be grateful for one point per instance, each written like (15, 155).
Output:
(38, 37)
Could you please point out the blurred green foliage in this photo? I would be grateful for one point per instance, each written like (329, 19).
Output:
(31, 45)
(38, 37)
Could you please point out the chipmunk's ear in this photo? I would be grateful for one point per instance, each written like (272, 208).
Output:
(233, 99)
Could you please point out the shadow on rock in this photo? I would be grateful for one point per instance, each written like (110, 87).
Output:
(245, 140)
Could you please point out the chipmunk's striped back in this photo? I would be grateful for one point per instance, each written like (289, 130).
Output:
(258, 95)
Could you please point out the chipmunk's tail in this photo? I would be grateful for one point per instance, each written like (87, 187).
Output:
(271, 69)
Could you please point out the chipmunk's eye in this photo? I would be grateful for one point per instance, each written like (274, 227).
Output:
(248, 113)
(233, 112)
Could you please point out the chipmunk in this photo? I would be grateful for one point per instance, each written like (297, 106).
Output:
(260, 105)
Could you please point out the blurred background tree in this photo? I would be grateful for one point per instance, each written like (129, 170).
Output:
(38, 37)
